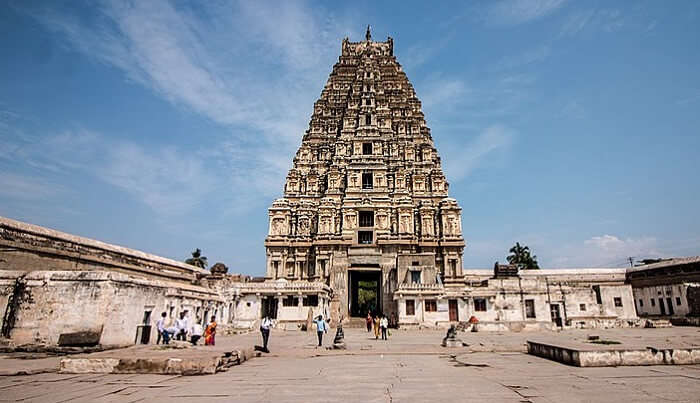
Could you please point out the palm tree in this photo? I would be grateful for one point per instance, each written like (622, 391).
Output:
(197, 259)
(520, 255)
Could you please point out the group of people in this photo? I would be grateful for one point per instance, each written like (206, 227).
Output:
(379, 323)
(181, 330)
(266, 323)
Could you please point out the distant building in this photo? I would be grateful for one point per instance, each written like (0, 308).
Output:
(668, 288)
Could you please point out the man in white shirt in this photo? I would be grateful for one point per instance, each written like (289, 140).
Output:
(196, 332)
(384, 324)
(160, 325)
(181, 326)
(265, 326)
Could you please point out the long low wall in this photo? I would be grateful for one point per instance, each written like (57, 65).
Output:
(606, 357)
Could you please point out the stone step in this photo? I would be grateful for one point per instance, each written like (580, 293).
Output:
(205, 364)
(355, 323)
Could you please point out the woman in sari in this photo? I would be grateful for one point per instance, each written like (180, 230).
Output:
(210, 333)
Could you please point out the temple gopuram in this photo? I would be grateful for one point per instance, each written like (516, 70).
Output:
(365, 220)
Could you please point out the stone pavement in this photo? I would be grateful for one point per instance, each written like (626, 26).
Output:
(409, 367)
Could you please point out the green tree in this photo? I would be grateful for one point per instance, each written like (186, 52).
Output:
(197, 259)
(520, 255)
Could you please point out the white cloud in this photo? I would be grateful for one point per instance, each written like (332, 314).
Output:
(606, 20)
(25, 187)
(527, 57)
(606, 251)
(441, 93)
(167, 180)
(512, 12)
(253, 67)
(461, 160)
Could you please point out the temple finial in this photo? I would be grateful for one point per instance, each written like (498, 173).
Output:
(368, 35)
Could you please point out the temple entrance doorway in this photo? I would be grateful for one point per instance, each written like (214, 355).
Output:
(365, 292)
(269, 307)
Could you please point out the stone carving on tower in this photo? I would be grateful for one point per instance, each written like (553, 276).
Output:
(366, 192)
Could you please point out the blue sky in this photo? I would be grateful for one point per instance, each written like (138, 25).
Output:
(572, 127)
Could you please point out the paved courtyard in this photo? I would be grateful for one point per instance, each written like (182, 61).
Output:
(409, 367)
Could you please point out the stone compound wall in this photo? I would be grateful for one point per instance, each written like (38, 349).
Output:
(111, 303)
(573, 291)
(76, 284)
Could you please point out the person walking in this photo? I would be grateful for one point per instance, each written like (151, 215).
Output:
(162, 332)
(321, 327)
(376, 326)
(196, 332)
(210, 333)
(265, 326)
(369, 321)
(384, 324)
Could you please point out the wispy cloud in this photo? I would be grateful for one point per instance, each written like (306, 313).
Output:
(169, 181)
(442, 92)
(606, 20)
(513, 12)
(573, 109)
(527, 57)
(461, 160)
(160, 45)
(25, 187)
(606, 251)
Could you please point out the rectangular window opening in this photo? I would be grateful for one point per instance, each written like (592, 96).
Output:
(290, 301)
(618, 301)
(310, 300)
(364, 237)
(415, 276)
(479, 304)
(367, 219)
(430, 305)
(678, 301)
(641, 302)
(530, 309)
(598, 299)
(366, 148)
(410, 307)
(367, 181)
(653, 302)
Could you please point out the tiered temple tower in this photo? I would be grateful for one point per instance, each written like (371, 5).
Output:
(365, 208)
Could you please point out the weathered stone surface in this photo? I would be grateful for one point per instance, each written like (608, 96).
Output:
(585, 356)
(88, 365)
(85, 338)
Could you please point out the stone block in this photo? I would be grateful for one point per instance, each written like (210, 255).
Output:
(88, 365)
(85, 338)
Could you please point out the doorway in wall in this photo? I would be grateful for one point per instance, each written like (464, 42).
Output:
(669, 303)
(365, 292)
(454, 312)
(556, 314)
(269, 307)
(662, 307)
